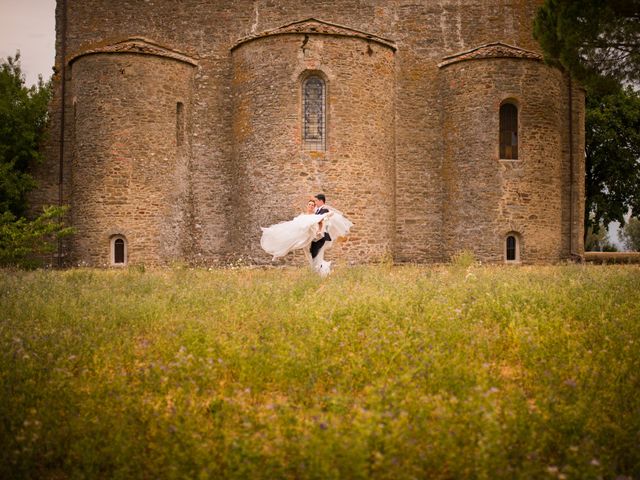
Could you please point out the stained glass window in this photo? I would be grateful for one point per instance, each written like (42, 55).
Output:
(314, 122)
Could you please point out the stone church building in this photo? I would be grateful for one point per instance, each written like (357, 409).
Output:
(179, 128)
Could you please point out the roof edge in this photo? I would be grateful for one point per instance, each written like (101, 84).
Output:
(491, 50)
(136, 45)
(330, 29)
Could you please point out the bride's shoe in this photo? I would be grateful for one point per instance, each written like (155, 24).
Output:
(324, 269)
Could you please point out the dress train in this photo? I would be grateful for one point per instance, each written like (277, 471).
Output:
(284, 237)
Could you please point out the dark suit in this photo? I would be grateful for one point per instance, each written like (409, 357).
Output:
(318, 244)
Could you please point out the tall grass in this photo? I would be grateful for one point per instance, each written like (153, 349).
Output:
(375, 372)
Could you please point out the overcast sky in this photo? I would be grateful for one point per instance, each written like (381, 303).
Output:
(29, 26)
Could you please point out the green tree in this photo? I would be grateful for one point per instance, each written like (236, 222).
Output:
(23, 123)
(612, 148)
(630, 234)
(597, 41)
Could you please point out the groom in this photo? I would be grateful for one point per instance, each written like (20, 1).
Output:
(320, 209)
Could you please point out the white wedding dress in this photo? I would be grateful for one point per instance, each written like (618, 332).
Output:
(282, 238)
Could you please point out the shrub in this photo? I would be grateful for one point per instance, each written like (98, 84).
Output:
(22, 240)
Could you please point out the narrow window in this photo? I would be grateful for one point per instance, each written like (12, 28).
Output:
(75, 117)
(508, 132)
(118, 250)
(180, 123)
(511, 248)
(314, 121)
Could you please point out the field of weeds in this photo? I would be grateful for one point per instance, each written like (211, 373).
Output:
(375, 372)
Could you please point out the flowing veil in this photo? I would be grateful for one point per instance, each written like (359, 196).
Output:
(337, 224)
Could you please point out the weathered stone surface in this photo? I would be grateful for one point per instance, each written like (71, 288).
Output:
(413, 95)
(129, 175)
(355, 169)
(486, 197)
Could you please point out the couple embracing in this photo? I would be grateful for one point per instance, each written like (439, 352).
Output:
(312, 231)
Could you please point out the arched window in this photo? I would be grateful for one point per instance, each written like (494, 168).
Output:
(508, 131)
(512, 247)
(313, 111)
(118, 250)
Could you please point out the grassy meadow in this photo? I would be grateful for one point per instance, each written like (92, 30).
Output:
(375, 372)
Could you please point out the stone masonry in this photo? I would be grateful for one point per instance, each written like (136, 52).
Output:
(181, 129)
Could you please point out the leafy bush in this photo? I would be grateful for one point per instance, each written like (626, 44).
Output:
(22, 241)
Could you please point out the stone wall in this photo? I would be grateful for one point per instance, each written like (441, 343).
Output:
(131, 163)
(399, 161)
(486, 196)
(355, 169)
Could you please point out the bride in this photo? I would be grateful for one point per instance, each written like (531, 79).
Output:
(284, 237)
